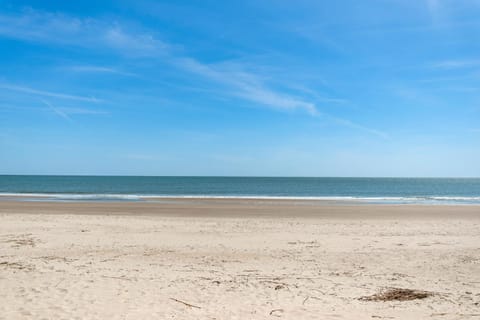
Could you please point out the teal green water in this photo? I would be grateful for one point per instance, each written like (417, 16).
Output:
(436, 190)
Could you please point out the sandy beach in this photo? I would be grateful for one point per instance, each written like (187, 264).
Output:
(236, 259)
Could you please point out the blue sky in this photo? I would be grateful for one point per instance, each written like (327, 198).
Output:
(269, 88)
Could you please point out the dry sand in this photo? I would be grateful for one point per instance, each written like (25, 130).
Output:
(232, 259)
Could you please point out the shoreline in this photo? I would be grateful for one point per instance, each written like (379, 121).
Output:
(238, 208)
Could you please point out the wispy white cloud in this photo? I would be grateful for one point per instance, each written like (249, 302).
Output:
(56, 28)
(99, 69)
(246, 85)
(318, 96)
(353, 125)
(57, 111)
(274, 99)
(456, 64)
(64, 112)
(80, 111)
(47, 93)
(133, 43)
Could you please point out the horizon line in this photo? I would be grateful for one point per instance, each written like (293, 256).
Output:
(240, 176)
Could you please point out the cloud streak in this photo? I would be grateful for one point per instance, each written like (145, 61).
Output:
(60, 29)
(57, 111)
(350, 124)
(246, 85)
(48, 93)
(64, 112)
(456, 64)
(99, 69)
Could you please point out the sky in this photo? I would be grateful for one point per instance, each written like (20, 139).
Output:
(240, 88)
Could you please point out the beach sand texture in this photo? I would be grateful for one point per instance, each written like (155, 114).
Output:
(233, 259)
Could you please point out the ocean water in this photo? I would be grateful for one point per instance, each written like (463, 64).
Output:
(133, 188)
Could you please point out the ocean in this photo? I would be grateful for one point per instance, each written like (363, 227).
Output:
(143, 188)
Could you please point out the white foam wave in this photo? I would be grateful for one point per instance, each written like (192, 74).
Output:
(151, 197)
(73, 197)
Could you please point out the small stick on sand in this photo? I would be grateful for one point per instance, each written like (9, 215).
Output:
(119, 278)
(275, 310)
(185, 303)
(59, 283)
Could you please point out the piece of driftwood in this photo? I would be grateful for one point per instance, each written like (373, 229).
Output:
(185, 303)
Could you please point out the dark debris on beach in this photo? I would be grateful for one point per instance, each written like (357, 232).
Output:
(398, 294)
